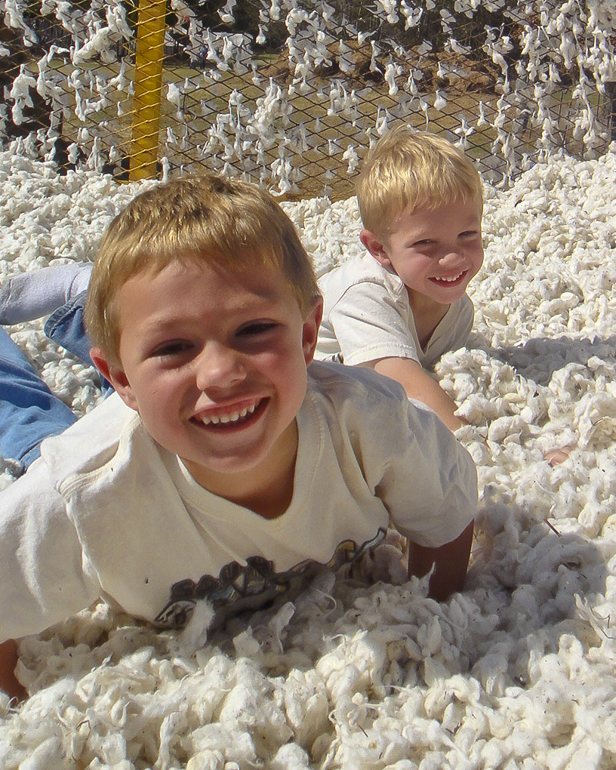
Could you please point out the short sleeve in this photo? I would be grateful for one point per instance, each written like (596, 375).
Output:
(41, 570)
(411, 461)
(371, 323)
(436, 472)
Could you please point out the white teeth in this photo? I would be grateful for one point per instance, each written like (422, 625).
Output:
(233, 417)
(449, 280)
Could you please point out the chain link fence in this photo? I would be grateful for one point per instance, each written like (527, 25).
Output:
(290, 93)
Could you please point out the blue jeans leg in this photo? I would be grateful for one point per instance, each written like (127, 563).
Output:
(65, 327)
(29, 412)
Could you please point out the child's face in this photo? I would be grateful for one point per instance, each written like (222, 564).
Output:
(435, 252)
(215, 364)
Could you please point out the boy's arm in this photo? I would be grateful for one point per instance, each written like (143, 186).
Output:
(419, 385)
(450, 562)
(8, 680)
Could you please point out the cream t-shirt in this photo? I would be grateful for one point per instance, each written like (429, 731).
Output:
(367, 315)
(108, 512)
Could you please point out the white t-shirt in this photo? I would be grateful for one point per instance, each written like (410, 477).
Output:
(367, 315)
(107, 512)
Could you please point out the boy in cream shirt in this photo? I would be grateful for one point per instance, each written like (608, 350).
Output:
(401, 306)
(226, 467)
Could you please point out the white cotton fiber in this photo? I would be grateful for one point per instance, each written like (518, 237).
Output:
(290, 757)
(48, 755)
(515, 673)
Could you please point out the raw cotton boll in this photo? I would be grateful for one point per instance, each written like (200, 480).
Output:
(195, 633)
(386, 744)
(492, 671)
(437, 700)
(505, 555)
(453, 717)
(595, 415)
(370, 747)
(587, 756)
(112, 750)
(219, 739)
(511, 428)
(10, 470)
(249, 707)
(354, 666)
(474, 443)
(429, 638)
(214, 683)
(290, 757)
(493, 754)
(387, 563)
(474, 409)
(524, 601)
(46, 756)
(270, 635)
(435, 760)
(306, 705)
(541, 565)
(206, 760)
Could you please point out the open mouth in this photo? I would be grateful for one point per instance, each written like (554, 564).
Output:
(454, 280)
(235, 418)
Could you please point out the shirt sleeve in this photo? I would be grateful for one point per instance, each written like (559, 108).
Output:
(413, 463)
(370, 323)
(434, 471)
(41, 563)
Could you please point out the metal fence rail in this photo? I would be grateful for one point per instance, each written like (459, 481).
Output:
(290, 93)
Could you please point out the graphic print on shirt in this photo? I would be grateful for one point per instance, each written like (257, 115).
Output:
(254, 585)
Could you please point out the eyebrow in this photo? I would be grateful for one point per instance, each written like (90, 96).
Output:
(170, 317)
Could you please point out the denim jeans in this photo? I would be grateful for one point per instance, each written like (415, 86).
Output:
(29, 412)
(65, 327)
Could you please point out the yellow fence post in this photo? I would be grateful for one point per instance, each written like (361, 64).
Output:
(148, 89)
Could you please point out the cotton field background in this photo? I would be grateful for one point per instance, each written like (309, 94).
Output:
(519, 671)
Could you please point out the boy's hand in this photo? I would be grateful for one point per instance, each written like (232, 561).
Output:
(557, 456)
(450, 560)
(420, 386)
(8, 680)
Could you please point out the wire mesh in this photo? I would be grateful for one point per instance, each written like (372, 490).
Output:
(290, 93)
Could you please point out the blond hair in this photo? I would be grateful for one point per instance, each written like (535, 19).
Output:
(408, 169)
(205, 220)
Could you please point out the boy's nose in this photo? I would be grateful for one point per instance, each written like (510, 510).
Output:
(450, 256)
(219, 367)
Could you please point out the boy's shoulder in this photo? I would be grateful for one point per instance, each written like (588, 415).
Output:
(90, 442)
(339, 384)
(358, 270)
(370, 409)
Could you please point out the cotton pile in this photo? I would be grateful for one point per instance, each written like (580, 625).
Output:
(363, 673)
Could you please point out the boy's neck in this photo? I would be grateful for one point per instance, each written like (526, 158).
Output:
(267, 490)
(427, 314)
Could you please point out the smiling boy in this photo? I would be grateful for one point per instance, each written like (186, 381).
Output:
(214, 370)
(404, 304)
(226, 467)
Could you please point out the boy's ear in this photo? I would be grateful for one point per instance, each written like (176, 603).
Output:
(375, 247)
(310, 330)
(115, 375)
